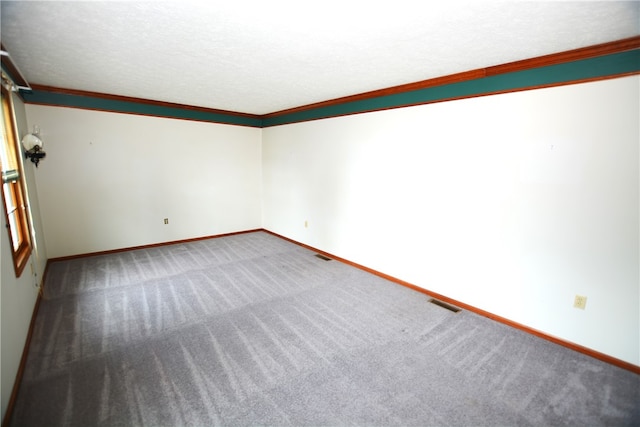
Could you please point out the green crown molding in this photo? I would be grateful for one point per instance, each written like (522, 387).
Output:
(618, 64)
(591, 69)
(89, 102)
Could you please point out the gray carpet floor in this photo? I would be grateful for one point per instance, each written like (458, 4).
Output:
(253, 330)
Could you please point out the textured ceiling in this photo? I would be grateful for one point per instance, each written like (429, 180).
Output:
(265, 56)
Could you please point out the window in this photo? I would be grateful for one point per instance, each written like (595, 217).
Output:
(15, 205)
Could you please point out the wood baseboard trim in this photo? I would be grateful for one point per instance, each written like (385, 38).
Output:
(25, 353)
(568, 344)
(152, 245)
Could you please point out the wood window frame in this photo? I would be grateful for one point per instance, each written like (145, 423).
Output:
(13, 192)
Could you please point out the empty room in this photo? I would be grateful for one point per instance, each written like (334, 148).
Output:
(320, 214)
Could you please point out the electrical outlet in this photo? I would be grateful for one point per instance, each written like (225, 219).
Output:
(306, 224)
(166, 221)
(580, 302)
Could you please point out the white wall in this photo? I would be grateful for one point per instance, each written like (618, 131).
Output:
(18, 295)
(109, 179)
(512, 203)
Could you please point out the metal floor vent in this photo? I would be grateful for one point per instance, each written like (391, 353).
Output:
(323, 257)
(445, 305)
